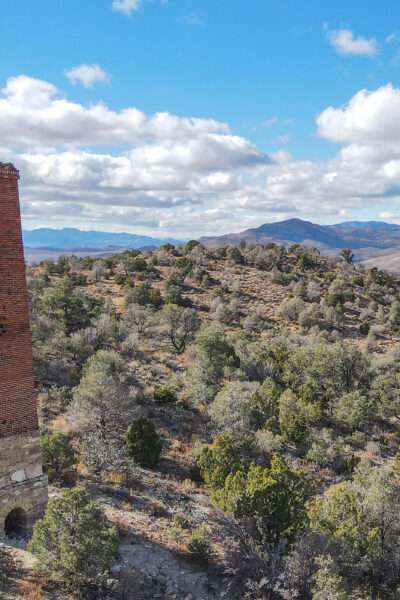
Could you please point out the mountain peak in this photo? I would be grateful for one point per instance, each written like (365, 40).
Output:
(351, 234)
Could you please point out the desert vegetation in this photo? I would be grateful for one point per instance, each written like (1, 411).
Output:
(232, 413)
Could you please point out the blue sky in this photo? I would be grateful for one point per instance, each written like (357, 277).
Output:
(266, 68)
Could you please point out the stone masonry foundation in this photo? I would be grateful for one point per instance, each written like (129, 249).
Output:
(22, 482)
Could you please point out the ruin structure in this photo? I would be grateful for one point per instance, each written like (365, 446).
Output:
(23, 486)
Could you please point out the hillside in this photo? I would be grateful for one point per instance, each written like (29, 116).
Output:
(388, 260)
(367, 239)
(239, 366)
(375, 242)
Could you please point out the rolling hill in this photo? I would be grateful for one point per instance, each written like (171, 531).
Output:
(373, 241)
(355, 235)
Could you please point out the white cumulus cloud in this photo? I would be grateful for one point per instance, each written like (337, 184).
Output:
(187, 176)
(344, 42)
(370, 117)
(126, 7)
(34, 113)
(87, 75)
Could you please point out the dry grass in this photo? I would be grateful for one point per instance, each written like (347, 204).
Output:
(33, 589)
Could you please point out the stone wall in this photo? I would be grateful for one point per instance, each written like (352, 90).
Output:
(22, 482)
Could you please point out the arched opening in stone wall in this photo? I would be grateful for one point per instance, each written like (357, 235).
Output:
(16, 523)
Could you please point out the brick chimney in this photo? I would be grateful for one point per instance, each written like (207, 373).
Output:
(23, 487)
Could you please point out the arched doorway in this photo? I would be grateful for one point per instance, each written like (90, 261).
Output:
(15, 524)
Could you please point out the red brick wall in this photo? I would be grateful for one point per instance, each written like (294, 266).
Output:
(18, 411)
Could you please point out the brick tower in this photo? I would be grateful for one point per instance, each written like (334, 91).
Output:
(23, 487)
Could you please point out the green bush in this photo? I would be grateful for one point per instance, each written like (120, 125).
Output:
(350, 463)
(145, 295)
(394, 316)
(360, 518)
(234, 254)
(138, 264)
(73, 542)
(173, 295)
(190, 245)
(218, 460)
(121, 279)
(275, 498)
(214, 357)
(199, 545)
(355, 411)
(179, 325)
(239, 406)
(143, 443)
(164, 395)
(292, 418)
(68, 304)
(103, 405)
(58, 456)
(322, 372)
(328, 584)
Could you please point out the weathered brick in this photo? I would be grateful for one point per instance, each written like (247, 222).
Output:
(22, 483)
(18, 412)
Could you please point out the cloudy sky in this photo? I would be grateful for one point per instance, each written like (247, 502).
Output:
(193, 117)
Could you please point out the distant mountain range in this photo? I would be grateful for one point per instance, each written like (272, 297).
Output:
(374, 242)
(351, 234)
(70, 239)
